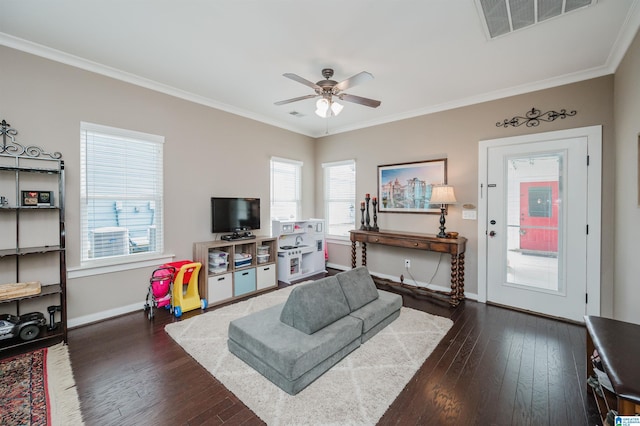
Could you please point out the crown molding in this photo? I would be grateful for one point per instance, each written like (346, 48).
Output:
(622, 43)
(95, 67)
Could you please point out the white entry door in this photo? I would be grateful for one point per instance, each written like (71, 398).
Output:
(536, 208)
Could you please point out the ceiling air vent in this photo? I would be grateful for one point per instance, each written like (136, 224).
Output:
(296, 114)
(504, 16)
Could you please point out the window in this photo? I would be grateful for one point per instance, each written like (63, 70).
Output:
(121, 193)
(340, 197)
(285, 188)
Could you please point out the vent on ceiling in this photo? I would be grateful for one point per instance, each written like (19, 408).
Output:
(296, 114)
(504, 16)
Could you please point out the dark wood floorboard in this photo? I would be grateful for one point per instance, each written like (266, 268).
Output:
(494, 367)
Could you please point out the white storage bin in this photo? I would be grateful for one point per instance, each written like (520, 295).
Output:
(218, 256)
(242, 259)
(216, 269)
(218, 261)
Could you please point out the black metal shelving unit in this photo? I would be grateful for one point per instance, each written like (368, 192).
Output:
(16, 162)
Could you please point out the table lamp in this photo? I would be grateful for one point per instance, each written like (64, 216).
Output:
(443, 195)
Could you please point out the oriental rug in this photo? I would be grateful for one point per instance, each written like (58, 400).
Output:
(356, 391)
(37, 388)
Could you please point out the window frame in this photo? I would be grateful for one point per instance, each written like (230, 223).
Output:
(297, 197)
(327, 211)
(126, 138)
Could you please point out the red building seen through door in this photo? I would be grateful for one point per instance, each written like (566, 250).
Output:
(539, 216)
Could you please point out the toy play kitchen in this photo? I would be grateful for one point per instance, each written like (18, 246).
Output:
(301, 248)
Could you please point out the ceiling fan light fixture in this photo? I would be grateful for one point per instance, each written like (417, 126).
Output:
(327, 108)
(336, 108)
(322, 108)
(328, 89)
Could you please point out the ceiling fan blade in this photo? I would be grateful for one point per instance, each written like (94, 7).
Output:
(300, 98)
(304, 81)
(360, 100)
(352, 81)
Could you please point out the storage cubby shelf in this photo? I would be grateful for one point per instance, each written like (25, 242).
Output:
(229, 282)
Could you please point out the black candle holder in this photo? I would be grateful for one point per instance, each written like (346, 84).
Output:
(362, 228)
(367, 220)
(375, 215)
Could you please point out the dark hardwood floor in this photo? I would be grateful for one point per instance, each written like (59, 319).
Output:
(495, 367)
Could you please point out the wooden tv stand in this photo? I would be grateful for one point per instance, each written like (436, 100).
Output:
(453, 246)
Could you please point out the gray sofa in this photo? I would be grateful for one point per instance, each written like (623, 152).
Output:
(294, 343)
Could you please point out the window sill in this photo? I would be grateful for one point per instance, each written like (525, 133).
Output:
(98, 268)
(337, 239)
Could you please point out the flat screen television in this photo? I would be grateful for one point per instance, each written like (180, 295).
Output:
(234, 214)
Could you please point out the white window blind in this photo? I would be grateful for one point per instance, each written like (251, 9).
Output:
(285, 189)
(340, 197)
(121, 193)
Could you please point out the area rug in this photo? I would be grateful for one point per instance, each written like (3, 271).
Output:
(356, 391)
(37, 388)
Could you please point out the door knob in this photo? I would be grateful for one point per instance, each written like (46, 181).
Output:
(492, 233)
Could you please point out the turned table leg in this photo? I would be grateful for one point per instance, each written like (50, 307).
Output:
(454, 280)
(364, 253)
(353, 254)
(461, 277)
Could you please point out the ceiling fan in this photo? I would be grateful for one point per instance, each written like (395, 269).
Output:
(327, 89)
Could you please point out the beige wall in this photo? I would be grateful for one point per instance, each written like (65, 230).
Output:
(454, 135)
(45, 101)
(627, 210)
(207, 152)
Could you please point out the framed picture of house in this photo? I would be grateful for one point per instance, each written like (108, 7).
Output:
(406, 187)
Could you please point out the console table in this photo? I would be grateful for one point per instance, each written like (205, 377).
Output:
(428, 242)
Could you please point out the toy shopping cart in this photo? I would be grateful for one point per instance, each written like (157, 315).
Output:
(184, 293)
(174, 286)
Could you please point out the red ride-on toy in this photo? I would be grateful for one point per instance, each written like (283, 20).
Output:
(159, 293)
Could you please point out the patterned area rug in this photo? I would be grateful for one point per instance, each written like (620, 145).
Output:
(37, 388)
(356, 391)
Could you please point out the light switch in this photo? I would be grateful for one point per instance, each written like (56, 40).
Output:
(469, 214)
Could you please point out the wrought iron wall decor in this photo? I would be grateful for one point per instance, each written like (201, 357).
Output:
(11, 147)
(534, 117)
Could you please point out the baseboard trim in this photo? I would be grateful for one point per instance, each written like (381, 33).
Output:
(103, 315)
(110, 313)
(467, 295)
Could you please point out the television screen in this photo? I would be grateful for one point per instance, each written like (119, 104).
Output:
(234, 214)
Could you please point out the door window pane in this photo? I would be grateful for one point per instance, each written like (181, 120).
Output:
(534, 218)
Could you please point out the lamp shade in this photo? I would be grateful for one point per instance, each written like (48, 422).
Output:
(442, 194)
(336, 108)
(322, 108)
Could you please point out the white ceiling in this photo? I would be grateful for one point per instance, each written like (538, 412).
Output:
(425, 55)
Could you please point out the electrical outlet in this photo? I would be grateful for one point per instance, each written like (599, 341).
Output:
(407, 263)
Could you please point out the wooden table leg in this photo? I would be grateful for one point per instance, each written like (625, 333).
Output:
(353, 254)
(454, 280)
(364, 253)
(461, 277)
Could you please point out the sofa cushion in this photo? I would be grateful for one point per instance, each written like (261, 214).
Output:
(287, 350)
(311, 307)
(378, 310)
(358, 287)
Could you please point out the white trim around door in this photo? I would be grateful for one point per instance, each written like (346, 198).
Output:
(593, 134)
